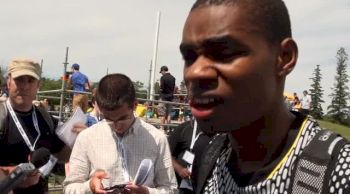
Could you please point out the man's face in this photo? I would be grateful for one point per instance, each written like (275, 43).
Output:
(230, 68)
(22, 91)
(120, 119)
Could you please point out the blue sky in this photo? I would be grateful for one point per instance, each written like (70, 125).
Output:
(119, 35)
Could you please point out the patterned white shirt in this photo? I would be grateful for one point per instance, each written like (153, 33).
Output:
(97, 148)
(306, 102)
(279, 181)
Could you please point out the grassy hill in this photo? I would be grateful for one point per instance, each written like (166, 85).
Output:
(341, 129)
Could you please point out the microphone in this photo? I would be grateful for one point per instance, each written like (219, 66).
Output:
(37, 159)
(143, 171)
(40, 157)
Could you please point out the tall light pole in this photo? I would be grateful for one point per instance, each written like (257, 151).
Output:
(149, 81)
(154, 59)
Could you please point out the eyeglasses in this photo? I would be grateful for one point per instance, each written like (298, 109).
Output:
(120, 122)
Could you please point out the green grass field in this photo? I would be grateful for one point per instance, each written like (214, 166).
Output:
(341, 129)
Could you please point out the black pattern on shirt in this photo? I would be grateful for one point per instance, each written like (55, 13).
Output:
(222, 182)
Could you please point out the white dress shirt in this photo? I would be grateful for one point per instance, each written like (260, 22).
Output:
(306, 102)
(96, 148)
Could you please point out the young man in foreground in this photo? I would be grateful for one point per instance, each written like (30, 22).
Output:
(237, 55)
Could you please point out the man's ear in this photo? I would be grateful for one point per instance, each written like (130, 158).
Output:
(288, 56)
(135, 104)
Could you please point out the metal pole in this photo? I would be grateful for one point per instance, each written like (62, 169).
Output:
(63, 84)
(41, 74)
(149, 82)
(154, 60)
(41, 66)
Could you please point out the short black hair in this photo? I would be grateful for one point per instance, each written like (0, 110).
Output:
(164, 68)
(270, 15)
(114, 90)
(76, 66)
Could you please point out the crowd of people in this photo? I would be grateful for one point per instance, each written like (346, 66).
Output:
(235, 51)
(302, 104)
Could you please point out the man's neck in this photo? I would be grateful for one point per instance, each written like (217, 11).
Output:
(93, 112)
(258, 143)
(21, 107)
(121, 134)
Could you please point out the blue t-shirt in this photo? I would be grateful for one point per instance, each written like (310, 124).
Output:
(91, 120)
(78, 81)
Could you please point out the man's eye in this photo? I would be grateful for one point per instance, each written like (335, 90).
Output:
(189, 57)
(225, 55)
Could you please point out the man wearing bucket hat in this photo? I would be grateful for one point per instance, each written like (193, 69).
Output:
(24, 127)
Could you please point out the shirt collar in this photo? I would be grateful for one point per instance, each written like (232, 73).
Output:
(134, 128)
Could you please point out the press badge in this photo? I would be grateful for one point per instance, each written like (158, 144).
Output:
(188, 157)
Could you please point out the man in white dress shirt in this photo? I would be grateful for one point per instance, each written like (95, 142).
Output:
(110, 152)
(305, 103)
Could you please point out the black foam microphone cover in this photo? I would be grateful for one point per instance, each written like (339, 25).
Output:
(40, 157)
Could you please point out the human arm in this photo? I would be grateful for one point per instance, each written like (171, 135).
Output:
(95, 182)
(182, 171)
(63, 154)
(27, 181)
(178, 143)
(78, 180)
(161, 84)
(78, 127)
(69, 81)
(136, 189)
(164, 180)
(59, 149)
(6, 170)
(87, 84)
(30, 179)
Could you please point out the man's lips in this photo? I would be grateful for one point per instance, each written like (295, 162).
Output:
(204, 107)
(202, 113)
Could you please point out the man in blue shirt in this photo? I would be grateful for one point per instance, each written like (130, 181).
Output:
(80, 83)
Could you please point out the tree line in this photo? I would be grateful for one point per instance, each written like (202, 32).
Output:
(338, 111)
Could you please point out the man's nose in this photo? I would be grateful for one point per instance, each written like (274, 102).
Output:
(201, 68)
(24, 85)
(202, 73)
